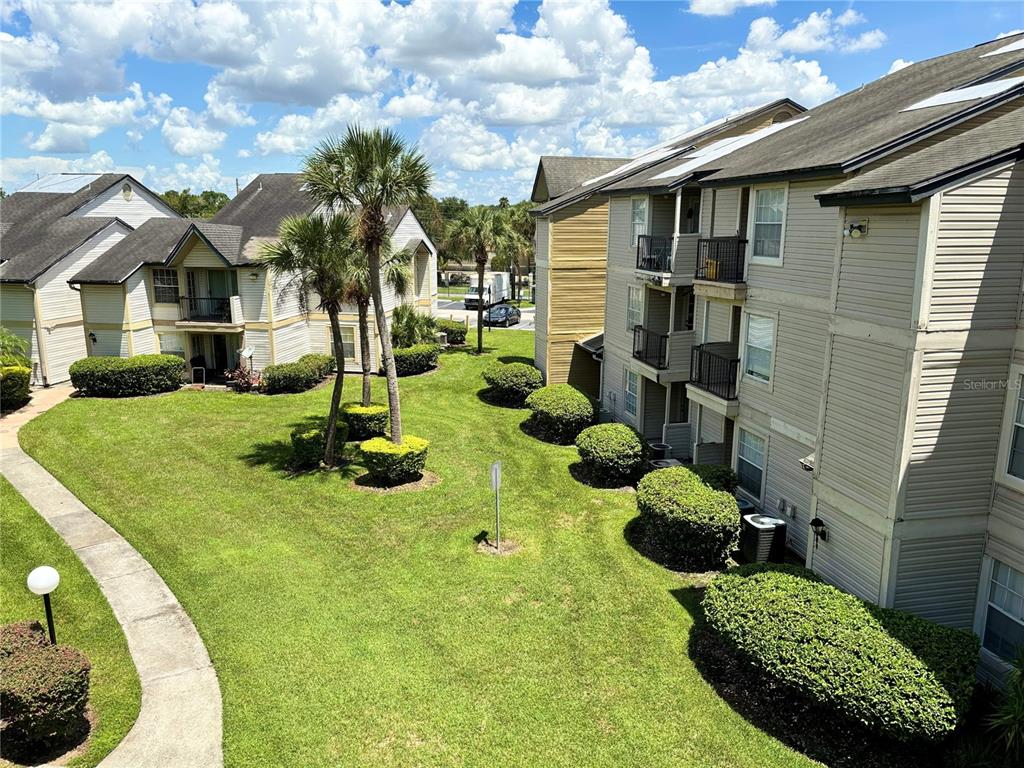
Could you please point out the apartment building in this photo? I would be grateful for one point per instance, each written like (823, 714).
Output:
(198, 288)
(857, 342)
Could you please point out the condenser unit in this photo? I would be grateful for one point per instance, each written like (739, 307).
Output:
(763, 539)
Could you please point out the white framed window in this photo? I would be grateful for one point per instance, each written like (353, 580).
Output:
(759, 347)
(1015, 459)
(634, 306)
(1004, 612)
(767, 223)
(348, 342)
(631, 388)
(165, 286)
(172, 344)
(638, 218)
(750, 462)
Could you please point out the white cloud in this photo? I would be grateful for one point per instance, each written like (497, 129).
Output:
(16, 172)
(204, 174)
(420, 98)
(224, 110)
(866, 41)
(723, 7)
(897, 65)
(295, 133)
(820, 31)
(1011, 33)
(187, 133)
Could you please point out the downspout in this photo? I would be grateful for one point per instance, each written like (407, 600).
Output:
(37, 321)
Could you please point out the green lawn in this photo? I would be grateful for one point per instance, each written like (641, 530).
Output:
(81, 615)
(350, 628)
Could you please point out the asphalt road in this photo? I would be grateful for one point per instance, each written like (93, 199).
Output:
(454, 310)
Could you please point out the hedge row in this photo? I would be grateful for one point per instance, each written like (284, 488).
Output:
(695, 525)
(559, 413)
(512, 383)
(390, 464)
(323, 364)
(897, 674)
(309, 442)
(127, 376)
(289, 377)
(14, 386)
(44, 690)
(453, 329)
(365, 421)
(612, 453)
(418, 358)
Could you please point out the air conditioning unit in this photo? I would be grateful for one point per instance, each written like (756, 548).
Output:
(763, 539)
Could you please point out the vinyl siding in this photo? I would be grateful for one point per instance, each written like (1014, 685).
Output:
(254, 296)
(719, 321)
(56, 298)
(956, 433)
(541, 319)
(260, 344)
(17, 314)
(726, 211)
(862, 420)
(876, 272)
(852, 557)
(977, 276)
(621, 252)
(285, 296)
(103, 304)
(786, 480)
(663, 215)
(291, 342)
(614, 388)
(142, 207)
(938, 578)
(653, 406)
(143, 339)
(1006, 527)
(200, 256)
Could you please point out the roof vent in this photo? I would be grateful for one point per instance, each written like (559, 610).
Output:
(126, 191)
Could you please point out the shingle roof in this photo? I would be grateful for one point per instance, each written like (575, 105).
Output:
(843, 132)
(938, 162)
(562, 173)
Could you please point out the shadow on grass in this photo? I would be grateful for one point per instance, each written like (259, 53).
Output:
(468, 349)
(74, 736)
(585, 477)
(516, 359)
(278, 456)
(488, 397)
(529, 427)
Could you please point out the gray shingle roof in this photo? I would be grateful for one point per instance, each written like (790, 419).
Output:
(562, 173)
(843, 131)
(963, 151)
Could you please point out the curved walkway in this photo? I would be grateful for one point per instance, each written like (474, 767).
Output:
(179, 724)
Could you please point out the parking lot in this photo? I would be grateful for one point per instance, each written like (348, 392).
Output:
(454, 310)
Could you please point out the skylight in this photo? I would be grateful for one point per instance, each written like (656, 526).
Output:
(1016, 45)
(60, 182)
(980, 91)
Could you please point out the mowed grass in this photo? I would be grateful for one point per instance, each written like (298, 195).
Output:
(352, 628)
(81, 615)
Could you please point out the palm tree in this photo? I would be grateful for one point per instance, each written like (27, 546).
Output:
(395, 275)
(477, 232)
(368, 172)
(315, 252)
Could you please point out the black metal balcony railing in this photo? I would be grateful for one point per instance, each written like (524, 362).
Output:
(654, 253)
(650, 347)
(715, 368)
(206, 310)
(721, 259)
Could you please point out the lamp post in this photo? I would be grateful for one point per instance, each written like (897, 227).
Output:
(42, 581)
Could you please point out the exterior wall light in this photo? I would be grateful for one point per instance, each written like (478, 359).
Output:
(820, 531)
(254, 276)
(856, 229)
(92, 337)
(42, 581)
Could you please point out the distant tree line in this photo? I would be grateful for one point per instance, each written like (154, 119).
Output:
(203, 205)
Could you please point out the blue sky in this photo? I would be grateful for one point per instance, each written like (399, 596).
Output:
(198, 94)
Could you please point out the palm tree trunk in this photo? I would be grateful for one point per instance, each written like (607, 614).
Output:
(373, 261)
(364, 346)
(480, 263)
(339, 383)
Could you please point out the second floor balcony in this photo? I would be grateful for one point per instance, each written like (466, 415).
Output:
(720, 272)
(654, 253)
(650, 348)
(715, 367)
(206, 309)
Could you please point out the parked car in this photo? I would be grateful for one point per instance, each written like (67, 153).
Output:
(502, 314)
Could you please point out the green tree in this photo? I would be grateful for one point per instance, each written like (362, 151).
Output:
(315, 252)
(202, 206)
(368, 171)
(13, 349)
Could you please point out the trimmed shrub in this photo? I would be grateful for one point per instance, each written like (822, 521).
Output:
(365, 421)
(324, 365)
(310, 440)
(455, 330)
(419, 358)
(612, 453)
(901, 676)
(288, 377)
(694, 525)
(512, 383)
(559, 413)
(127, 376)
(391, 464)
(14, 391)
(44, 690)
(721, 477)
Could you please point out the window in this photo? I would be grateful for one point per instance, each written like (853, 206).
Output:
(750, 462)
(634, 307)
(348, 342)
(769, 209)
(632, 387)
(1004, 619)
(1016, 462)
(639, 219)
(172, 344)
(165, 286)
(757, 357)
(689, 214)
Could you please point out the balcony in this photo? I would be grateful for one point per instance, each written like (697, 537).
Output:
(654, 253)
(714, 368)
(206, 310)
(650, 348)
(720, 268)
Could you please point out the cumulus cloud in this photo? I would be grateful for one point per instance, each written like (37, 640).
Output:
(187, 133)
(723, 7)
(16, 172)
(204, 174)
(296, 133)
(820, 31)
(897, 65)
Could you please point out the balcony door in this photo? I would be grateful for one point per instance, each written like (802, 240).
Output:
(222, 283)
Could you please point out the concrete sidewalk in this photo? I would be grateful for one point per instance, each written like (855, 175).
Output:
(179, 724)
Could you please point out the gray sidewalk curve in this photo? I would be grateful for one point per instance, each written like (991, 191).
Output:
(179, 723)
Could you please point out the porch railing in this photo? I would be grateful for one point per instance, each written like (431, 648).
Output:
(715, 369)
(721, 259)
(650, 347)
(654, 253)
(207, 310)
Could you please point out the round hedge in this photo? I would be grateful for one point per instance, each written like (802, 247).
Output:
(611, 453)
(365, 421)
(289, 378)
(44, 690)
(14, 386)
(721, 477)
(321, 363)
(127, 376)
(454, 330)
(900, 675)
(512, 383)
(419, 358)
(559, 413)
(693, 524)
(310, 441)
(391, 464)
